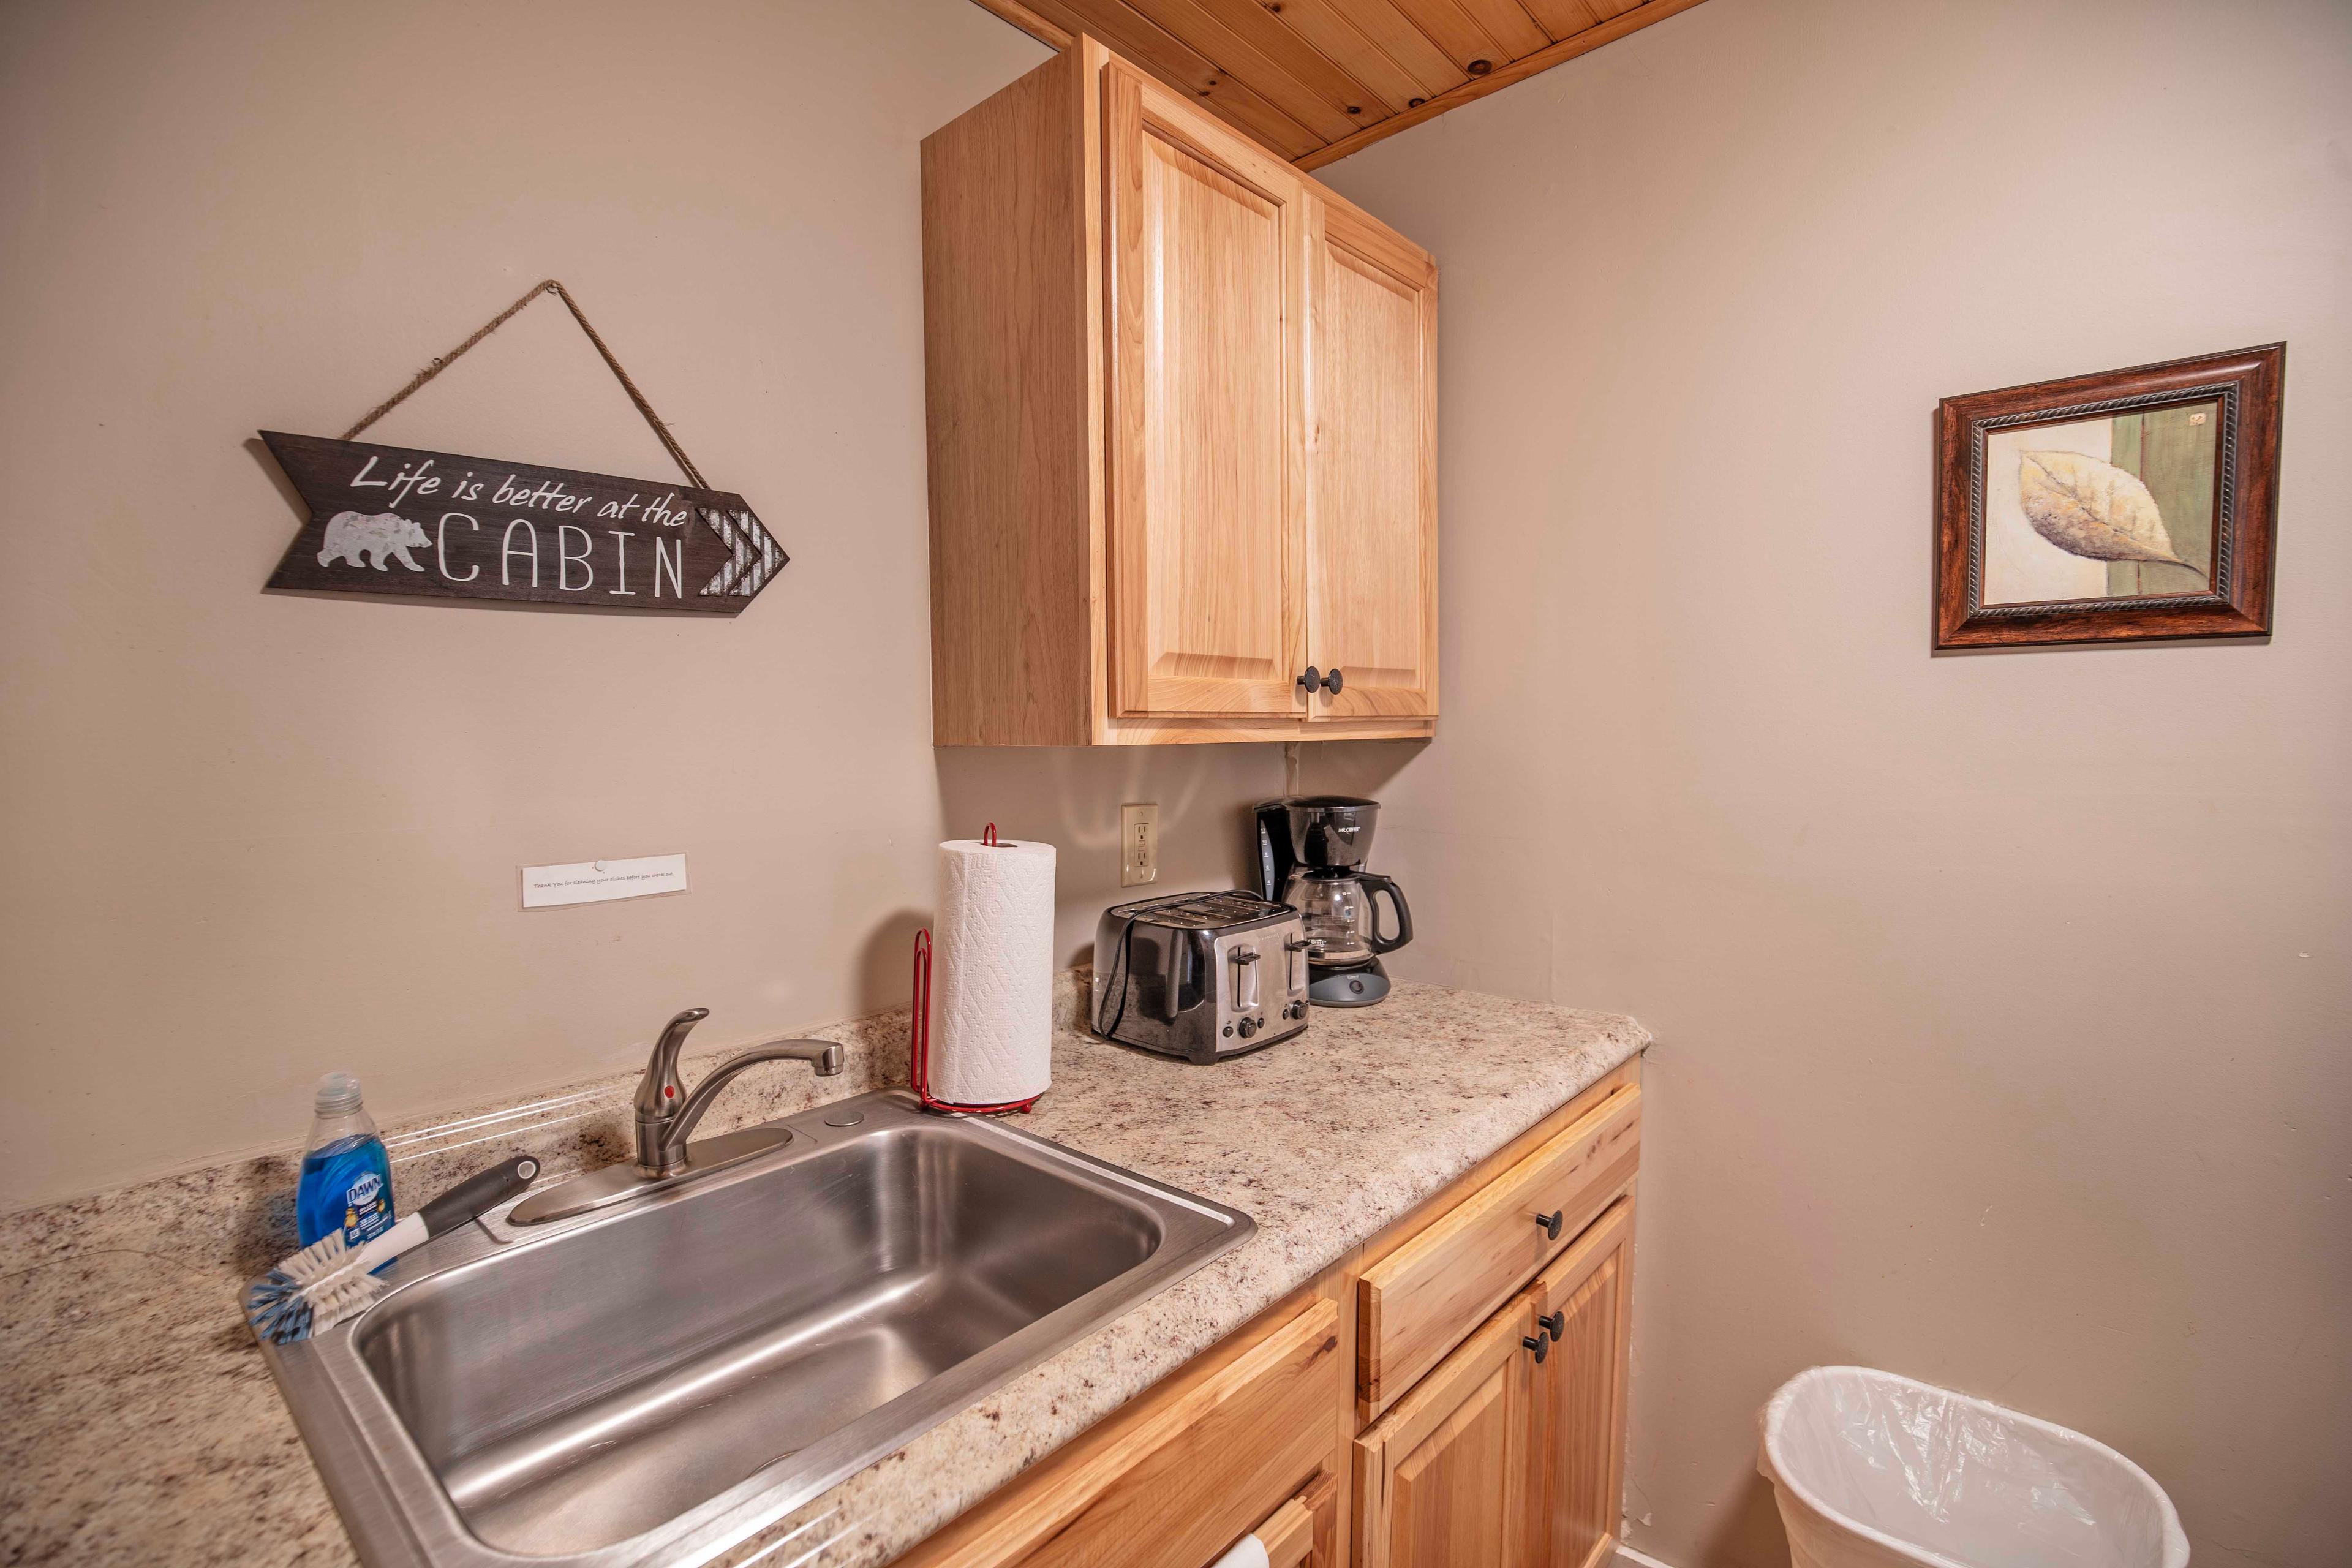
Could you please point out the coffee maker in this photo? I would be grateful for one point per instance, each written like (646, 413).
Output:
(1310, 856)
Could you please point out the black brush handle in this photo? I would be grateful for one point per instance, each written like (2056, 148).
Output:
(482, 1191)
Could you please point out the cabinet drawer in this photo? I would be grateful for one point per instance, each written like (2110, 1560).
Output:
(1176, 1484)
(1423, 1298)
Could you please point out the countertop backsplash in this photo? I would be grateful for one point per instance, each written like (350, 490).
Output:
(240, 1213)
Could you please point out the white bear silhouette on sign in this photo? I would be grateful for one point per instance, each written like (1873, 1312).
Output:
(354, 535)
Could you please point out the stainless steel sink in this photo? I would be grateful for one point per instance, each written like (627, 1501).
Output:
(653, 1382)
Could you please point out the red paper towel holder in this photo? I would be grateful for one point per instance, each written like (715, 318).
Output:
(918, 1032)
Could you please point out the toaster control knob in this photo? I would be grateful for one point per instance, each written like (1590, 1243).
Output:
(1247, 1027)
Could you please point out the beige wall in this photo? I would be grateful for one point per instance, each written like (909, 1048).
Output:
(2004, 1002)
(245, 837)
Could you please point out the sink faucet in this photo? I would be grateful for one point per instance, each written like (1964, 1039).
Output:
(666, 1113)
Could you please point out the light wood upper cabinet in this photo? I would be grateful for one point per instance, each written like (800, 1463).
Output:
(1207, 295)
(1576, 1461)
(1182, 430)
(1372, 464)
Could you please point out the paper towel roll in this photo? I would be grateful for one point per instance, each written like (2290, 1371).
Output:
(1247, 1552)
(992, 972)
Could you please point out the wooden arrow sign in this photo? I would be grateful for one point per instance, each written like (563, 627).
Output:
(393, 519)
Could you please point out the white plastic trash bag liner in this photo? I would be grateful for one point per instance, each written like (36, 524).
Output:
(1874, 1470)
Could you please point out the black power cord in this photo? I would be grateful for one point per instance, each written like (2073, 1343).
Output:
(1125, 973)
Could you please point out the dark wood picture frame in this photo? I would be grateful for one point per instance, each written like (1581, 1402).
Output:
(2249, 384)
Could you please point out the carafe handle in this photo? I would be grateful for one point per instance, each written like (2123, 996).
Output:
(1374, 885)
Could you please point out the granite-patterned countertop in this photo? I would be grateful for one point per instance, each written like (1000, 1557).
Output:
(144, 1427)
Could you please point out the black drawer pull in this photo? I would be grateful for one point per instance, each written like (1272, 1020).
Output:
(1550, 1224)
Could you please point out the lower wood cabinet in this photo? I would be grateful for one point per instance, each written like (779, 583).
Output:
(1577, 1449)
(1185, 1476)
(1305, 1532)
(1443, 1479)
(1418, 1300)
(1376, 1420)
(1510, 1453)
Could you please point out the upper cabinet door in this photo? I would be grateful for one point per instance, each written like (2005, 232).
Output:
(1372, 506)
(1207, 250)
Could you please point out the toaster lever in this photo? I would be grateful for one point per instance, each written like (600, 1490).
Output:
(1245, 978)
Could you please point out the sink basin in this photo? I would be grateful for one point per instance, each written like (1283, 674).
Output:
(654, 1382)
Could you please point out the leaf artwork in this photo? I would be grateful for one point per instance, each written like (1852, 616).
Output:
(2090, 508)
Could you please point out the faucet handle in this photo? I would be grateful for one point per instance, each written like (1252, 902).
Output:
(662, 1092)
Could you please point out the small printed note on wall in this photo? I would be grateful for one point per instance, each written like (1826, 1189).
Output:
(596, 882)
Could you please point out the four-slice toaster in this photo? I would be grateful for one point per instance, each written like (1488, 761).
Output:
(1200, 976)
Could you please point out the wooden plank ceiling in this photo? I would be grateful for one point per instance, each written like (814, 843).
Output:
(1315, 79)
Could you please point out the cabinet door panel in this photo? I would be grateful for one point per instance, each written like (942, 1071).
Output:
(1444, 1503)
(1372, 508)
(1207, 247)
(1440, 1479)
(1577, 1474)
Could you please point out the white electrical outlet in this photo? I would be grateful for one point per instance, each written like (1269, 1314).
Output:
(1139, 844)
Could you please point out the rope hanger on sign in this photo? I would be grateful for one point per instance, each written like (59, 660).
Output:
(545, 286)
(498, 529)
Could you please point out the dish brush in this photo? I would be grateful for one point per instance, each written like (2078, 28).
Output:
(330, 1279)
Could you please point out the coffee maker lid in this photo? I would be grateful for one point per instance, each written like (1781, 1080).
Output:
(1314, 833)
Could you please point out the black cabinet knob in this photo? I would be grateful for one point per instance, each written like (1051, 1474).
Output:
(1331, 683)
(1550, 1224)
(1556, 1325)
(1540, 1346)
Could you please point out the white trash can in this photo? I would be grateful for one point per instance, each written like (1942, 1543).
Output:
(1874, 1470)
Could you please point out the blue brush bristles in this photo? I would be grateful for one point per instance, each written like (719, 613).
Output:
(308, 1292)
(328, 1280)
(277, 1308)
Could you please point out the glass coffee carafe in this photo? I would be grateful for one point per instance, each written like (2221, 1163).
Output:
(1342, 923)
(1310, 856)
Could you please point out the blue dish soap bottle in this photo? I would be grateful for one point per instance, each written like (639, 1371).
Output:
(346, 1181)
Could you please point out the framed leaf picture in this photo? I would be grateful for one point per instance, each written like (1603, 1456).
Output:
(2128, 505)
